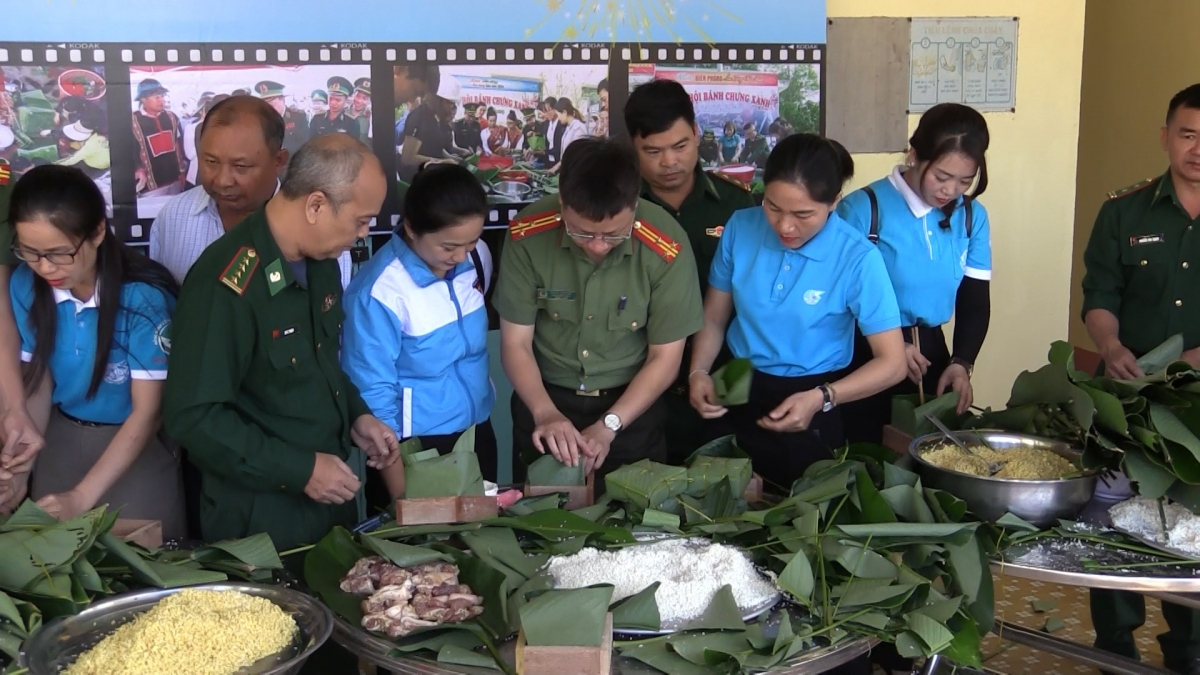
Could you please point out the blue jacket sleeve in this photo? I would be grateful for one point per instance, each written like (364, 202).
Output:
(370, 350)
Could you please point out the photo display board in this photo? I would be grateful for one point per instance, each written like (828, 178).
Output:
(119, 89)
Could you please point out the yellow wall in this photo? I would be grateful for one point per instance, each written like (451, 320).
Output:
(1136, 57)
(1031, 198)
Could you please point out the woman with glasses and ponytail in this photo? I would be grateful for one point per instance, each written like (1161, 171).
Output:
(94, 318)
(935, 240)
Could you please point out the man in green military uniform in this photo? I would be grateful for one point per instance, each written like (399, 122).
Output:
(530, 132)
(256, 393)
(1141, 286)
(320, 102)
(756, 148)
(360, 108)
(22, 440)
(295, 123)
(468, 133)
(334, 121)
(662, 123)
(596, 298)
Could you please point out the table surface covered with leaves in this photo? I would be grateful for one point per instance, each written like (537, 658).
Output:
(859, 547)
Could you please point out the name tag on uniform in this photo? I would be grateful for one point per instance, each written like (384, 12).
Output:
(1147, 239)
(715, 231)
(545, 294)
(285, 332)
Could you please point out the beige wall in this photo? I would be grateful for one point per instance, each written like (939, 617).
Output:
(1031, 199)
(1136, 56)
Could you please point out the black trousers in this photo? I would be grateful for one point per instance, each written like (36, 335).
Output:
(641, 439)
(781, 458)
(378, 498)
(865, 419)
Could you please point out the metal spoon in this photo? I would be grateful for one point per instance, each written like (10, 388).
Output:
(993, 467)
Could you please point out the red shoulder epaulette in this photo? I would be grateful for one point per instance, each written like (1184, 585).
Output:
(5, 172)
(657, 241)
(519, 229)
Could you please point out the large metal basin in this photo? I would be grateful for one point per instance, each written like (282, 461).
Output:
(58, 643)
(1040, 502)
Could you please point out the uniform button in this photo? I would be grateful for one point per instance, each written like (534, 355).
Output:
(318, 345)
(556, 315)
(1144, 263)
(293, 360)
(1185, 265)
(585, 353)
(634, 324)
(779, 287)
(590, 317)
(1179, 303)
(787, 267)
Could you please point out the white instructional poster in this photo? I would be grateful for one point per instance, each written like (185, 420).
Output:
(964, 60)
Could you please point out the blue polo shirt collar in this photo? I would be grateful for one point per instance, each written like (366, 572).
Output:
(61, 296)
(817, 248)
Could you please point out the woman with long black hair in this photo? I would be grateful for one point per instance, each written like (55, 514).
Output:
(94, 318)
(936, 242)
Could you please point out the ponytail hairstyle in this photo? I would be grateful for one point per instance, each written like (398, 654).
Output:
(564, 105)
(66, 198)
(947, 128)
(820, 165)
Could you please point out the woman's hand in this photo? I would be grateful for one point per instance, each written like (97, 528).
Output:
(957, 379)
(702, 394)
(13, 492)
(918, 365)
(795, 413)
(64, 505)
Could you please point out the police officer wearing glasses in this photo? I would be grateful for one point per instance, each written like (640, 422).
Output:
(597, 292)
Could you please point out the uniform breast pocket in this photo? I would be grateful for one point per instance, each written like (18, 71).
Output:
(629, 319)
(290, 356)
(1145, 251)
(559, 310)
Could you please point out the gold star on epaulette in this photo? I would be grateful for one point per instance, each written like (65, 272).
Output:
(240, 270)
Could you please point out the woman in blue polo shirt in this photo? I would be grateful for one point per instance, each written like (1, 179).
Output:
(94, 318)
(415, 336)
(796, 278)
(936, 243)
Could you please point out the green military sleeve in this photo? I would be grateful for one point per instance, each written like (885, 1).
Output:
(515, 298)
(1103, 280)
(213, 336)
(7, 235)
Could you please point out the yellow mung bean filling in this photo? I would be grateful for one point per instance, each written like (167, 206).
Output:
(195, 632)
(1016, 464)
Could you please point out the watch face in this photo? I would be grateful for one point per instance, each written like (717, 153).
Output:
(612, 422)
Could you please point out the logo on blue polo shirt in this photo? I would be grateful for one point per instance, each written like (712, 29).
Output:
(162, 336)
(813, 297)
(117, 373)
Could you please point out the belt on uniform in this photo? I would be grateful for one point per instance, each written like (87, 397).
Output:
(595, 393)
(83, 423)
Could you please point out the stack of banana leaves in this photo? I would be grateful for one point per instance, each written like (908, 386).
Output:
(1149, 427)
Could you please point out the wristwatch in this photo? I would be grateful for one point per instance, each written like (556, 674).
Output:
(827, 395)
(969, 367)
(612, 422)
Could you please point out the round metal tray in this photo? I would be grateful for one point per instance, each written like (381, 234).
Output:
(58, 643)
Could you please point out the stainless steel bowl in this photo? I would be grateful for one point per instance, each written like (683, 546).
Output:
(1040, 502)
(511, 188)
(58, 643)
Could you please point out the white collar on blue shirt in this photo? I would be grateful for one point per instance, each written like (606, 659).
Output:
(205, 201)
(915, 204)
(61, 296)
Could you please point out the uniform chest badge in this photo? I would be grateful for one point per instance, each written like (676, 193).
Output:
(813, 297)
(329, 302)
(715, 231)
(1147, 239)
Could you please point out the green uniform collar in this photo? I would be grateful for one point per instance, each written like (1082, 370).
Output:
(277, 272)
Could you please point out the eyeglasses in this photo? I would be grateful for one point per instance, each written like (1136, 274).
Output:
(581, 238)
(54, 258)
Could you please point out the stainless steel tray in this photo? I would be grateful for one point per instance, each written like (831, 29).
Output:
(58, 643)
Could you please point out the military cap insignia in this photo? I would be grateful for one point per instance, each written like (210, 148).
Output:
(731, 180)
(658, 242)
(238, 272)
(519, 229)
(5, 172)
(1136, 187)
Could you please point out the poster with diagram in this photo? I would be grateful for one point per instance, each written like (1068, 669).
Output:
(970, 60)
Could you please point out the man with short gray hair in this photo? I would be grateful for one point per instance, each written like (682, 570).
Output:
(257, 394)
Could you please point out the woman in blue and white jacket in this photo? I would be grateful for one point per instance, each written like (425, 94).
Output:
(415, 336)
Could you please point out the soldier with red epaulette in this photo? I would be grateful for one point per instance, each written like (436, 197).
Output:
(597, 293)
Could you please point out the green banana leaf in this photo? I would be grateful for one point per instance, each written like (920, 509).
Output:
(566, 618)
(547, 470)
(646, 484)
(731, 382)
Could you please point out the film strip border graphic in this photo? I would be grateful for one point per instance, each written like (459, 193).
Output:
(121, 61)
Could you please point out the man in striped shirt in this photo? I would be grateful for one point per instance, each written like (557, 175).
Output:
(241, 156)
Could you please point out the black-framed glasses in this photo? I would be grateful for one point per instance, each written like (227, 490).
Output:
(54, 258)
(583, 238)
